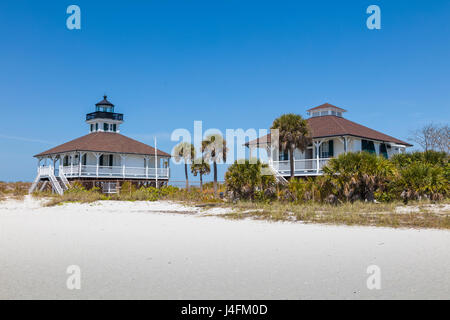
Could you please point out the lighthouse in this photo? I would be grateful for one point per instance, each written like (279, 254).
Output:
(102, 158)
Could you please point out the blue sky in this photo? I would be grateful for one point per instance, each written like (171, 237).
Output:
(229, 63)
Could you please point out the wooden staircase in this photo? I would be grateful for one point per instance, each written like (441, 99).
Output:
(59, 183)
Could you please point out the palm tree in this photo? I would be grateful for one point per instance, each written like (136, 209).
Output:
(201, 168)
(185, 151)
(293, 133)
(214, 148)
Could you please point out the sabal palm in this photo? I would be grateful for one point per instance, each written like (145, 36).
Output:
(199, 167)
(293, 133)
(214, 149)
(185, 151)
(359, 175)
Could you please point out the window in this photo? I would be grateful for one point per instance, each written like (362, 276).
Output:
(316, 114)
(96, 127)
(114, 127)
(333, 112)
(339, 114)
(66, 161)
(367, 146)
(105, 127)
(92, 127)
(84, 159)
(284, 155)
(383, 150)
(326, 149)
(100, 161)
(324, 113)
(110, 160)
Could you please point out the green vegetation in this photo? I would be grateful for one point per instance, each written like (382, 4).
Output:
(214, 149)
(417, 215)
(356, 189)
(201, 168)
(293, 133)
(185, 151)
(128, 192)
(245, 181)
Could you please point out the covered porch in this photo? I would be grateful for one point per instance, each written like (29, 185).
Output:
(104, 165)
(311, 161)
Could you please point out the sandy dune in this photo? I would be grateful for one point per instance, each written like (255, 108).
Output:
(162, 250)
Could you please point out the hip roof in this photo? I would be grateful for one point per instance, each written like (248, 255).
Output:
(331, 126)
(104, 142)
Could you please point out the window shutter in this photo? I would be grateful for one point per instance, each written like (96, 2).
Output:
(383, 150)
(330, 149)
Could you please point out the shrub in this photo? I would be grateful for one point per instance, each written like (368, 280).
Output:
(431, 157)
(358, 176)
(245, 181)
(422, 180)
(127, 188)
(422, 175)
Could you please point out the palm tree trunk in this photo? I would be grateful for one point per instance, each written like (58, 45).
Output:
(291, 160)
(201, 182)
(186, 173)
(215, 178)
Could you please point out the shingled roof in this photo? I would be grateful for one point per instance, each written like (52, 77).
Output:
(104, 142)
(332, 126)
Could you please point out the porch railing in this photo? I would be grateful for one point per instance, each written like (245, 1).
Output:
(301, 167)
(92, 171)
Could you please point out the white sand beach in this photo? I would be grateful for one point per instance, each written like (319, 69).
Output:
(164, 250)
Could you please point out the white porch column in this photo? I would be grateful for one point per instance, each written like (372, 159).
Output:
(79, 163)
(61, 161)
(377, 148)
(147, 159)
(53, 163)
(71, 164)
(39, 165)
(344, 142)
(123, 157)
(97, 157)
(168, 168)
(317, 145)
(349, 144)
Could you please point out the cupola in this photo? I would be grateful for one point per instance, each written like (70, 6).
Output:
(326, 109)
(104, 119)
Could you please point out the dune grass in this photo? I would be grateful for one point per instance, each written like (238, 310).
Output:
(14, 190)
(129, 193)
(416, 215)
(419, 214)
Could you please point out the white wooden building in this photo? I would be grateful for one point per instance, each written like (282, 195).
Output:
(331, 135)
(103, 158)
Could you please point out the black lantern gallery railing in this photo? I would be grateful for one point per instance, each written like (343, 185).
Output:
(104, 115)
